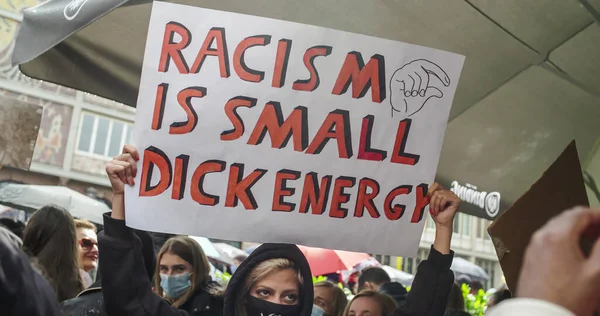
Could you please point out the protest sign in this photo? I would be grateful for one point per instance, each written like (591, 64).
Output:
(262, 130)
(561, 187)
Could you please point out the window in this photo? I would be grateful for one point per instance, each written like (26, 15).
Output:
(387, 260)
(102, 136)
(485, 225)
(407, 265)
(456, 224)
(466, 224)
(482, 225)
(479, 228)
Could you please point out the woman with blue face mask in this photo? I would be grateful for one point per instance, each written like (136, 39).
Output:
(182, 278)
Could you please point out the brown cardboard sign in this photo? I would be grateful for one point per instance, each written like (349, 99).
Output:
(561, 187)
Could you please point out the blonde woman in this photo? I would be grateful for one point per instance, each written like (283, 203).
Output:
(182, 277)
(87, 242)
(274, 280)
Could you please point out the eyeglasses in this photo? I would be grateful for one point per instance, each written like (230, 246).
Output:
(87, 243)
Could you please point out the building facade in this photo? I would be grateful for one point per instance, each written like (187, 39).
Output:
(79, 133)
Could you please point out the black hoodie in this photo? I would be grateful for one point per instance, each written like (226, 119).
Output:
(263, 253)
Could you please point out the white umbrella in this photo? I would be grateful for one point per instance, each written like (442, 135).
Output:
(399, 276)
(229, 251)
(33, 197)
(462, 266)
(367, 263)
(208, 247)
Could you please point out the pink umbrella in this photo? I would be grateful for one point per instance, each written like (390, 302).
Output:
(325, 261)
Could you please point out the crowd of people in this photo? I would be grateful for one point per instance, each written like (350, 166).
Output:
(58, 265)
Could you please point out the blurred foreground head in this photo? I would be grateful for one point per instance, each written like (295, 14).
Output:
(51, 240)
(22, 290)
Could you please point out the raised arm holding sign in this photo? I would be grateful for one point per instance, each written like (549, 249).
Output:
(127, 292)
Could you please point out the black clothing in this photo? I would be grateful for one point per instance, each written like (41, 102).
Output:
(431, 287)
(127, 290)
(126, 287)
(263, 253)
(396, 291)
(90, 302)
(23, 291)
(203, 303)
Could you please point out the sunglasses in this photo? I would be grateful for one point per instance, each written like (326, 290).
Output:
(87, 243)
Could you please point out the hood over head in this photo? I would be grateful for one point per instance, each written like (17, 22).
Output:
(264, 253)
(395, 290)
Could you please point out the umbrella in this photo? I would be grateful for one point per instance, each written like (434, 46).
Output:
(522, 60)
(228, 251)
(325, 261)
(399, 276)
(33, 197)
(462, 266)
(208, 247)
(367, 263)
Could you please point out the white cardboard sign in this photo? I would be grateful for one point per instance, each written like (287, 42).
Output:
(263, 130)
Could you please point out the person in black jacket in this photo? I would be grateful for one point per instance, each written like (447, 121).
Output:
(433, 281)
(23, 291)
(182, 276)
(128, 292)
(90, 302)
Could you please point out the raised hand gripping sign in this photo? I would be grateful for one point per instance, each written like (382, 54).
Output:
(262, 130)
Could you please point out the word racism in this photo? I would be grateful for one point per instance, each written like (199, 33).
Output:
(316, 190)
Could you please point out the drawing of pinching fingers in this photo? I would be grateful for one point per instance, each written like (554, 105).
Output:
(411, 86)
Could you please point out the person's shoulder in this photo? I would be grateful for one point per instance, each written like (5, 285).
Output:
(204, 302)
(210, 293)
(89, 302)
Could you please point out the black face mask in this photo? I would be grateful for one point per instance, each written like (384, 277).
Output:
(258, 307)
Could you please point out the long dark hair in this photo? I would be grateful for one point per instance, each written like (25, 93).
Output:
(50, 240)
(456, 301)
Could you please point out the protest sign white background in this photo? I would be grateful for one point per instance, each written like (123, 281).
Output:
(186, 216)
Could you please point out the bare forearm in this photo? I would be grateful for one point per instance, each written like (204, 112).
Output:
(118, 207)
(443, 237)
